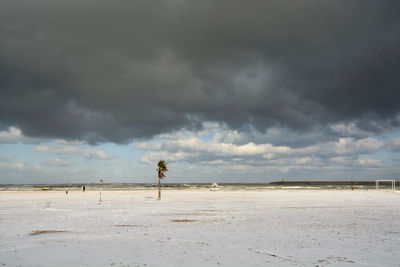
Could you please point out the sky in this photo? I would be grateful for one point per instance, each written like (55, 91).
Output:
(224, 91)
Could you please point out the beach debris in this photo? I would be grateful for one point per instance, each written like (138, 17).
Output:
(129, 225)
(41, 232)
(183, 220)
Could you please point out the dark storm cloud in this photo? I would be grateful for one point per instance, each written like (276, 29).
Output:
(117, 70)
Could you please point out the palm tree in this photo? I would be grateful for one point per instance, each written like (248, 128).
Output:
(162, 167)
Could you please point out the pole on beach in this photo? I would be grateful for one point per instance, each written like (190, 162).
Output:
(159, 187)
(101, 185)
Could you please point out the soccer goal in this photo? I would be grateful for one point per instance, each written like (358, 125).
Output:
(392, 182)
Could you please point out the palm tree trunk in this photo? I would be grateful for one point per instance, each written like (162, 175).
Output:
(159, 188)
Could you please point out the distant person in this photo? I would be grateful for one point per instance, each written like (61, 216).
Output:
(66, 192)
(83, 188)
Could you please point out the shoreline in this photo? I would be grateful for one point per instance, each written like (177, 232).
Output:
(285, 185)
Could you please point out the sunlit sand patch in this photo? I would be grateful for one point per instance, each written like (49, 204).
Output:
(41, 232)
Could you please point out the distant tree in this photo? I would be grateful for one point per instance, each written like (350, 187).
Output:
(162, 167)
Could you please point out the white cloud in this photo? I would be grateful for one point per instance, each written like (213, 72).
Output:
(371, 163)
(121, 162)
(18, 166)
(393, 144)
(193, 146)
(89, 153)
(152, 157)
(58, 162)
(214, 151)
(149, 146)
(14, 135)
(349, 129)
(69, 142)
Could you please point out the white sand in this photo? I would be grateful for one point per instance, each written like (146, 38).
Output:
(201, 227)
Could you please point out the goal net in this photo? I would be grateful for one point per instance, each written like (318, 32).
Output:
(386, 183)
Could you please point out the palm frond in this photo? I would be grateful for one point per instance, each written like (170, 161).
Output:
(162, 166)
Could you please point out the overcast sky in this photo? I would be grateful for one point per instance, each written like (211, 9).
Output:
(224, 91)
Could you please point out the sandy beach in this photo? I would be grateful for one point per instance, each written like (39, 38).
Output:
(200, 228)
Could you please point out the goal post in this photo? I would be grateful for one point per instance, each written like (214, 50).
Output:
(392, 182)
